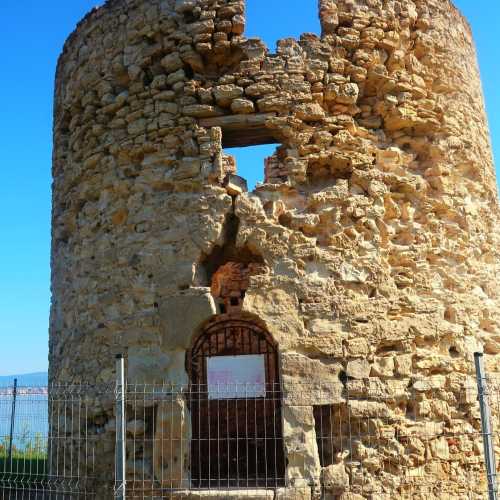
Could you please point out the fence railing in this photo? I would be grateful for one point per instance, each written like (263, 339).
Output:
(349, 440)
(54, 442)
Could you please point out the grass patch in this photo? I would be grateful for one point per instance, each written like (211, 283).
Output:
(23, 467)
(23, 473)
(28, 464)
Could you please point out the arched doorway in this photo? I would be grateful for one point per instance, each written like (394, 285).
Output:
(235, 404)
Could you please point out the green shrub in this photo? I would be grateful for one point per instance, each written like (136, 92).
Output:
(28, 464)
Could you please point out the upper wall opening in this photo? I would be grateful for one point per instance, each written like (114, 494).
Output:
(240, 130)
(250, 162)
(249, 136)
(248, 143)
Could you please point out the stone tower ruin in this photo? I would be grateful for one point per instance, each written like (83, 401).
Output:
(368, 257)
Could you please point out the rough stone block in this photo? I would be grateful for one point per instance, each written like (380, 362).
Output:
(358, 368)
(242, 106)
(225, 94)
(181, 316)
(179, 275)
(183, 6)
(149, 365)
(335, 479)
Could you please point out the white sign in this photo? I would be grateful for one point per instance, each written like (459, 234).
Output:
(231, 377)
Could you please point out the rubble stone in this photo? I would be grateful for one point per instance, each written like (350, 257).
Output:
(375, 231)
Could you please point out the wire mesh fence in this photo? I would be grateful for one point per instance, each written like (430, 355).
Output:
(348, 440)
(50, 439)
(23, 448)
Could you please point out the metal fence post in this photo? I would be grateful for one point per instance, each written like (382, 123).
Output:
(12, 421)
(489, 452)
(121, 422)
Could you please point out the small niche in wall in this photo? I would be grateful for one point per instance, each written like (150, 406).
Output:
(230, 283)
(331, 423)
(325, 438)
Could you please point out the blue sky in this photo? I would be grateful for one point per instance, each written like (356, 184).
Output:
(31, 38)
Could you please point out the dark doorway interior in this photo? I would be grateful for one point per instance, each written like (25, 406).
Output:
(237, 437)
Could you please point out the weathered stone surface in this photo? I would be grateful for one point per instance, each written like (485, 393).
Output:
(279, 309)
(201, 110)
(300, 444)
(180, 316)
(335, 478)
(172, 62)
(136, 427)
(243, 106)
(374, 231)
(296, 492)
(229, 494)
(173, 431)
(359, 368)
(225, 94)
(183, 6)
(149, 365)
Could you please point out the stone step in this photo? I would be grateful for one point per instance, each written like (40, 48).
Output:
(229, 494)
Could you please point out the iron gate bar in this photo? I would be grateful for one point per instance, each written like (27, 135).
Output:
(243, 433)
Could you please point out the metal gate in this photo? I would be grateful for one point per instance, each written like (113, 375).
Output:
(237, 436)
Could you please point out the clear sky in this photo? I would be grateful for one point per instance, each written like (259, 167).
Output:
(31, 37)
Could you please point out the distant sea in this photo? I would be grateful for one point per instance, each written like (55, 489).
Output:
(36, 379)
(31, 412)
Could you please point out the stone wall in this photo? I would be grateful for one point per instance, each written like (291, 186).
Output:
(374, 236)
